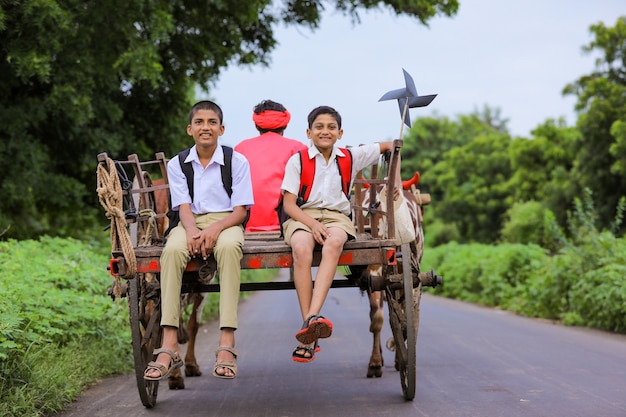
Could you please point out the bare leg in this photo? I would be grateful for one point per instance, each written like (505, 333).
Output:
(312, 299)
(302, 244)
(331, 250)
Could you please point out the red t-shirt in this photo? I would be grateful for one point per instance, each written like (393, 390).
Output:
(267, 155)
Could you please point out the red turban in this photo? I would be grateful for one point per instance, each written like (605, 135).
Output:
(271, 119)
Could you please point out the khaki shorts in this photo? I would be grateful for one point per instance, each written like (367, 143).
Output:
(329, 218)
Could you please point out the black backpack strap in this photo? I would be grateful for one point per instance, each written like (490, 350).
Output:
(227, 170)
(173, 216)
(187, 169)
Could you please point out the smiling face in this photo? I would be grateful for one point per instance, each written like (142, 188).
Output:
(324, 132)
(205, 128)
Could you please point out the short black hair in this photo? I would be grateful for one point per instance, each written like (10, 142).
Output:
(323, 110)
(269, 105)
(206, 105)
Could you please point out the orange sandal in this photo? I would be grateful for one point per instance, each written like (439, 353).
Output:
(313, 328)
(307, 356)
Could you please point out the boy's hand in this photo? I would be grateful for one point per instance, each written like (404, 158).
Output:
(320, 232)
(205, 240)
(193, 245)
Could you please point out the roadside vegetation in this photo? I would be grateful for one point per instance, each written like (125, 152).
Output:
(59, 329)
(583, 283)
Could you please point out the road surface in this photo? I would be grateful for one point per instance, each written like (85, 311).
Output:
(471, 362)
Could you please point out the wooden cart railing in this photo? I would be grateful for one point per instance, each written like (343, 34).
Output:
(261, 250)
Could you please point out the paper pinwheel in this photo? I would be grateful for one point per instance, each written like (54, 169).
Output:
(407, 98)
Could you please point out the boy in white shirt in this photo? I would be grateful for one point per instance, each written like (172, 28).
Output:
(323, 219)
(211, 223)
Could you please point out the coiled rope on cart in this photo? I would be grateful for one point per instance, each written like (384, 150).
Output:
(111, 198)
(151, 228)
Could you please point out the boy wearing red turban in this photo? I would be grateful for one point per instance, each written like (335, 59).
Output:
(267, 154)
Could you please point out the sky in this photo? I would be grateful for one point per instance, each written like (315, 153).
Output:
(513, 55)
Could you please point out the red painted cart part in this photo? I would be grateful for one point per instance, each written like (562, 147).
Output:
(113, 267)
(117, 266)
(346, 259)
(255, 263)
(284, 261)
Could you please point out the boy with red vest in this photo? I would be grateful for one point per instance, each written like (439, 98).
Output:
(324, 219)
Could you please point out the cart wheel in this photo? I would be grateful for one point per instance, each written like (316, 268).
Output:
(145, 316)
(404, 321)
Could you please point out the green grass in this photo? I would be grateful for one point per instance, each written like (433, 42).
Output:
(581, 285)
(59, 330)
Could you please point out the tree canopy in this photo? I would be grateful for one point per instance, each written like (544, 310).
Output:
(600, 162)
(80, 77)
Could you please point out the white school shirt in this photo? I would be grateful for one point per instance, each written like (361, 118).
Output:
(209, 193)
(326, 192)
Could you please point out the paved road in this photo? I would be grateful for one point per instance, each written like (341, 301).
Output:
(471, 362)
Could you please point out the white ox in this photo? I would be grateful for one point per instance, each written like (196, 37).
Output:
(408, 215)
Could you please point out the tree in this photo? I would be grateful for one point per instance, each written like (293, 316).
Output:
(542, 165)
(430, 137)
(441, 149)
(82, 76)
(474, 180)
(600, 161)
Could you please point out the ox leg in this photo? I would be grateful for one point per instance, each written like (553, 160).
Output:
(375, 367)
(191, 364)
(176, 380)
(188, 336)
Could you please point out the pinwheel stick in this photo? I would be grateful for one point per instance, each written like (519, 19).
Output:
(404, 111)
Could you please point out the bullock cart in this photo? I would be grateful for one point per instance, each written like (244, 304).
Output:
(378, 263)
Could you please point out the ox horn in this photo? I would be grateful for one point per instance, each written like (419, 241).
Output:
(415, 179)
(406, 185)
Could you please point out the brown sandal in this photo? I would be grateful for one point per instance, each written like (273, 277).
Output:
(175, 363)
(230, 365)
